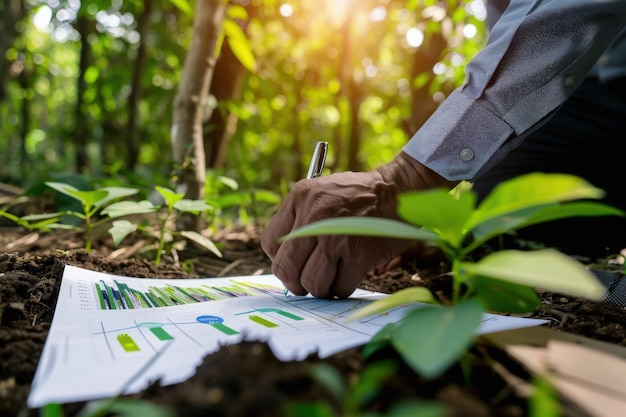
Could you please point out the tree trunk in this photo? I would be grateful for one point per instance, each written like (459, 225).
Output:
(143, 25)
(221, 125)
(187, 139)
(355, 98)
(422, 103)
(81, 133)
(11, 12)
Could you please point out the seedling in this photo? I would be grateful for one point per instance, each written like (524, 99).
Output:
(92, 202)
(433, 337)
(354, 398)
(175, 204)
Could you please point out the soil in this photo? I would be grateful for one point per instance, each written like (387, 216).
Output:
(246, 379)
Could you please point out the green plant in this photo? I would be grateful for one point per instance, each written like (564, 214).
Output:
(91, 202)
(245, 205)
(174, 205)
(433, 337)
(43, 222)
(354, 398)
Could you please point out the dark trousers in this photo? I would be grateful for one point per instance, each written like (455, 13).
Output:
(585, 138)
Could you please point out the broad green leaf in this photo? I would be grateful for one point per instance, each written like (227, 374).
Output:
(120, 229)
(124, 407)
(417, 409)
(534, 189)
(202, 241)
(266, 196)
(329, 377)
(44, 225)
(370, 382)
(170, 196)
(540, 214)
(52, 410)
(192, 206)
(363, 226)
(183, 6)
(44, 216)
(544, 401)
(229, 182)
(234, 199)
(439, 211)
(395, 300)
(431, 339)
(89, 198)
(125, 208)
(505, 297)
(381, 339)
(63, 188)
(247, 198)
(574, 209)
(115, 193)
(547, 269)
(239, 44)
(236, 11)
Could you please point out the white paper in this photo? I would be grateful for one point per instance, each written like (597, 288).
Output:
(94, 351)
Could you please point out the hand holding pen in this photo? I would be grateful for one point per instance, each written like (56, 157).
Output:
(316, 166)
(333, 266)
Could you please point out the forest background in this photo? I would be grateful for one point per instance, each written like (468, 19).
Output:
(94, 90)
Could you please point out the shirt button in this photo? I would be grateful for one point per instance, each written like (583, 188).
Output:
(569, 81)
(467, 154)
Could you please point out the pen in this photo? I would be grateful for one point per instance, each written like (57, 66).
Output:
(318, 159)
(316, 166)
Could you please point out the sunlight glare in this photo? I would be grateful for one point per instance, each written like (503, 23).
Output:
(414, 37)
(286, 10)
(469, 31)
(478, 9)
(42, 18)
(378, 14)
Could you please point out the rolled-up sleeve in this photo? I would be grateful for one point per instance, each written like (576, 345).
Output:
(537, 55)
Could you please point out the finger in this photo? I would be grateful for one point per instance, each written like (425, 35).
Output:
(394, 263)
(354, 265)
(280, 225)
(320, 269)
(290, 260)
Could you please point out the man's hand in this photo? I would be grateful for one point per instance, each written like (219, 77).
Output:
(333, 266)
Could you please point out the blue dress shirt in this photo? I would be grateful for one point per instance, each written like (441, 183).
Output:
(538, 53)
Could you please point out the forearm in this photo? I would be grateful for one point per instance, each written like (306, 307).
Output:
(538, 54)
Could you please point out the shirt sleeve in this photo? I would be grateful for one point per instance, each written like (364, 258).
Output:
(538, 53)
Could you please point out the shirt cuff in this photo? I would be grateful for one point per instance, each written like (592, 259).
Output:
(447, 142)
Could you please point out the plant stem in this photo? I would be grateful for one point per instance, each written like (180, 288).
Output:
(456, 280)
(157, 259)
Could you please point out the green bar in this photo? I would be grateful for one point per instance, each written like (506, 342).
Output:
(110, 295)
(186, 294)
(154, 299)
(124, 293)
(103, 305)
(289, 315)
(160, 333)
(172, 293)
(224, 329)
(164, 298)
(145, 302)
(262, 321)
(127, 342)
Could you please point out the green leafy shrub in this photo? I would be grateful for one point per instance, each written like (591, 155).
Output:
(431, 338)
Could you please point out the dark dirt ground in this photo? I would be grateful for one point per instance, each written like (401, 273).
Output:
(229, 382)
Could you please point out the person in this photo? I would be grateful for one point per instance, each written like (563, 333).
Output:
(545, 94)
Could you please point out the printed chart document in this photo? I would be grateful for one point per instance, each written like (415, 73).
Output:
(113, 334)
